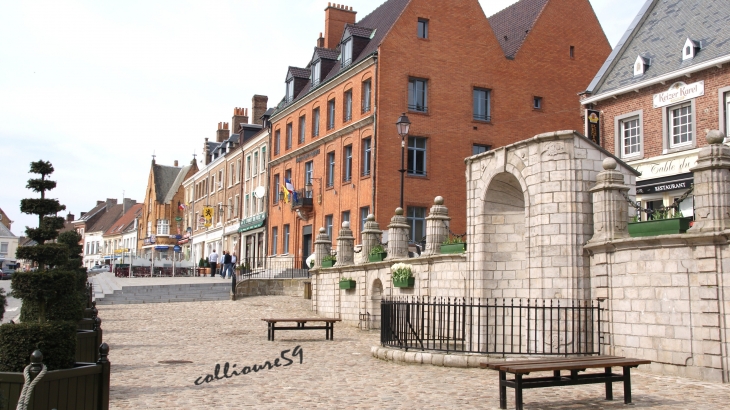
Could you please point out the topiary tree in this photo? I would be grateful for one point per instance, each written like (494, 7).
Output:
(3, 303)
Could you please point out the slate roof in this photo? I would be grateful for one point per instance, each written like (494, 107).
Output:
(107, 219)
(658, 32)
(5, 232)
(167, 181)
(512, 25)
(325, 53)
(300, 72)
(25, 241)
(358, 31)
(124, 221)
(99, 207)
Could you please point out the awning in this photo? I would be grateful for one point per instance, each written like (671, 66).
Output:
(162, 248)
(110, 257)
(252, 222)
(670, 183)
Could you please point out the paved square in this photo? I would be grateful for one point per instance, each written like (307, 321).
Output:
(334, 374)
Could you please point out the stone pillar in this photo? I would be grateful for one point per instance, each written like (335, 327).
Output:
(345, 246)
(437, 227)
(370, 238)
(398, 236)
(322, 247)
(610, 209)
(712, 186)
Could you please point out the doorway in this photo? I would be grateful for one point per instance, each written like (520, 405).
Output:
(306, 245)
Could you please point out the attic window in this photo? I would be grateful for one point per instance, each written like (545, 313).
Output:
(290, 90)
(347, 52)
(640, 65)
(690, 49)
(316, 73)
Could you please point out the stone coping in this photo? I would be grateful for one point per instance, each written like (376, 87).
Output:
(463, 360)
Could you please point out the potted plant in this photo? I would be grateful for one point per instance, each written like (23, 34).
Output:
(662, 224)
(203, 266)
(402, 275)
(347, 283)
(453, 244)
(377, 254)
(328, 261)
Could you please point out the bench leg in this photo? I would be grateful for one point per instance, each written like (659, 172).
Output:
(627, 385)
(609, 385)
(518, 392)
(272, 326)
(331, 330)
(502, 390)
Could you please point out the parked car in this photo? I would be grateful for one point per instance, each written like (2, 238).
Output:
(99, 268)
(6, 274)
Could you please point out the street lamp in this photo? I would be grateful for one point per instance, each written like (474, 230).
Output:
(403, 126)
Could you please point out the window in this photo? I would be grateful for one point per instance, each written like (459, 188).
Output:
(276, 189)
(328, 225)
(4, 248)
(680, 125)
(418, 95)
(347, 52)
(364, 212)
(416, 156)
(255, 164)
(416, 218)
(263, 159)
(537, 103)
(274, 239)
(330, 169)
(288, 135)
(290, 90)
(348, 106)
(302, 129)
(246, 206)
(422, 28)
(726, 107)
(572, 51)
(235, 206)
(220, 212)
(220, 179)
(238, 171)
(630, 137)
(482, 109)
(212, 183)
(347, 171)
(316, 73)
(248, 167)
(366, 96)
(330, 114)
(163, 227)
(197, 221)
(315, 123)
(346, 216)
(229, 208)
(286, 239)
(308, 174)
(478, 149)
(366, 156)
(277, 142)
(231, 174)
(287, 176)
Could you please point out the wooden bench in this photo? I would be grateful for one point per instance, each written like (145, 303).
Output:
(522, 368)
(329, 325)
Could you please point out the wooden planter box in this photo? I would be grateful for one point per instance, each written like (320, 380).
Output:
(659, 227)
(378, 257)
(347, 284)
(408, 283)
(453, 248)
(328, 264)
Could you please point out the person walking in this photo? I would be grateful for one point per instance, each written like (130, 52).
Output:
(213, 261)
(226, 265)
(234, 260)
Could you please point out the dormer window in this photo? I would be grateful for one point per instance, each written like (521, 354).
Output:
(347, 52)
(641, 65)
(316, 73)
(690, 49)
(290, 90)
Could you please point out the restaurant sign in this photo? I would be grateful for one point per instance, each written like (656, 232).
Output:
(679, 92)
(252, 222)
(664, 166)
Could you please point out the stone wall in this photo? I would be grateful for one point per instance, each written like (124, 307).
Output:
(271, 287)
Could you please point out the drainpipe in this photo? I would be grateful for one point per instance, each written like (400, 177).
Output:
(375, 129)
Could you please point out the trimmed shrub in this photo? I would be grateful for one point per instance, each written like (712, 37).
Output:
(57, 342)
(3, 303)
(44, 288)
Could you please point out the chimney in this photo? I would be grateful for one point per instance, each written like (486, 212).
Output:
(175, 162)
(206, 152)
(70, 217)
(128, 203)
(110, 202)
(223, 133)
(320, 40)
(259, 104)
(81, 215)
(335, 18)
(240, 116)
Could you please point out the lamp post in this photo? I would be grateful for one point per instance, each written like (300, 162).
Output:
(403, 126)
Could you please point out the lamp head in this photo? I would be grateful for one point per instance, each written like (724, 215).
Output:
(403, 125)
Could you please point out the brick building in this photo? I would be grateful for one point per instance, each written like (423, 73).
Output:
(467, 83)
(664, 85)
(5, 220)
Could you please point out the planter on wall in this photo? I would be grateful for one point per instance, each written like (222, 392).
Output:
(328, 264)
(453, 248)
(378, 257)
(347, 284)
(408, 283)
(659, 227)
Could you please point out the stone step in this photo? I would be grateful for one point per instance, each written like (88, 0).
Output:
(163, 293)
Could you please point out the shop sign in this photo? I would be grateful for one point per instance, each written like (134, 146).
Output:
(593, 126)
(149, 240)
(664, 167)
(252, 222)
(667, 186)
(176, 248)
(679, 92)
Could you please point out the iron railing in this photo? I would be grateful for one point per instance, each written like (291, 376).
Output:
(522, 326)
(301, 199)
(271, 268)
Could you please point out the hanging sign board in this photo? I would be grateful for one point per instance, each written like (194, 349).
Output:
(679, 92)
(593, 126)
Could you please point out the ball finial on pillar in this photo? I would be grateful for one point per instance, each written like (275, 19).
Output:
(439, 200)
(715, 137)
(609, 164)
(399, 211)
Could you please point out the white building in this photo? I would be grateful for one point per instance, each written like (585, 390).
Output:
(8, 246)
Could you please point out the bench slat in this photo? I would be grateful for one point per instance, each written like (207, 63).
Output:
(506, 363)
(595, 364)
(317, 319)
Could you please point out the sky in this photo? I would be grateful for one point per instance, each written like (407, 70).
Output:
(98, 87)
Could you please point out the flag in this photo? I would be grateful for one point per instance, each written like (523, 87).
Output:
(180, 206)
(285, 192)
(290, 189)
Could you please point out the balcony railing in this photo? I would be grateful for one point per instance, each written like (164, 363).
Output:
(301, 199)
(418, 107)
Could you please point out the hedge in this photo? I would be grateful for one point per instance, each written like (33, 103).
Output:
(3, 303)
(56, 340)
(44, 288)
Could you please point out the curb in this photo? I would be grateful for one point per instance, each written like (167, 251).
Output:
(431, 358)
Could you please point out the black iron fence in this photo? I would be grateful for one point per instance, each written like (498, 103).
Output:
(491, 326)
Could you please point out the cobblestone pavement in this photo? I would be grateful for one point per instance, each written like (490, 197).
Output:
(333, 375)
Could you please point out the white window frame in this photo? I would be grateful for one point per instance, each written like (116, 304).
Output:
(618, 122)
(669, 145)
(248, 167)
(163, 227)
(418, 96)
(347, 52)
(723, 105)
(221, 178)
(238, 170)
(263, 159)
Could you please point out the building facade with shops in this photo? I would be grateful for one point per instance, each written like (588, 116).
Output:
(666, 83)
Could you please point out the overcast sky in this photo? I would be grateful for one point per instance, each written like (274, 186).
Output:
(96, 87)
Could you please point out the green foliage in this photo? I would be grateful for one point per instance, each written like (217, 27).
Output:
(40, 185)
(44, 288)
(332, 258)
(57, 342)
(452, 240)
(71, 239)
(202, 263)
(377, 250)
(41, 207)
(3, 303)
(51, 254)
(42, 168)
(401, 272)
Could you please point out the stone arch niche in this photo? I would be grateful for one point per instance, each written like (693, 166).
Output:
(505, 243)
(376, 295)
